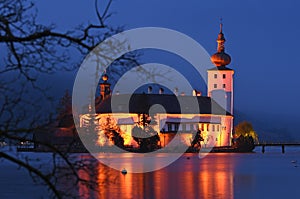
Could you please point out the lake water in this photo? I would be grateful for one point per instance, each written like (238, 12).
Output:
(218, 175)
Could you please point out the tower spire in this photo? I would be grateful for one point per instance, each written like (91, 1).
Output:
(221, 25)
(221, 58)
(221, 39)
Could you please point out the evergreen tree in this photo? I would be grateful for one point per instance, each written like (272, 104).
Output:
(89, 135)
(112, 131)
(64, 111)
(144, 134)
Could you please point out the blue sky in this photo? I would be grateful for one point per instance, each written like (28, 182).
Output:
(262, 39)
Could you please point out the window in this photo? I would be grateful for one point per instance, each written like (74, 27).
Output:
(216, 76)
(218, 128)
(224, 76)
(176, 127)
(192, 127)
(183, 127)
(215, 85)
(188, 127)
(169, 127)
(224, 85)
(213, 127)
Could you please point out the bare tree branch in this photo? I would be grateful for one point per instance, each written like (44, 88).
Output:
(33, 49)
(33, 170)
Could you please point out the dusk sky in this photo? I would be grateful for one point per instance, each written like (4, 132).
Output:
(262, 39)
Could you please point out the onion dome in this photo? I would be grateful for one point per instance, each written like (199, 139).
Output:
(220, 58)
(104, 77)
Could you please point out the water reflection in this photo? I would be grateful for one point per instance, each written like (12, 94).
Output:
(188, 177)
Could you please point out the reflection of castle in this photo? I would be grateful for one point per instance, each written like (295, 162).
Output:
(184, 179)
(215, 118)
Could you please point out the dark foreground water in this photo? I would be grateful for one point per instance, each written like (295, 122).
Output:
(223, 175)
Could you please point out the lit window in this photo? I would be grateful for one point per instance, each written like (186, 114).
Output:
(224, 85)
(224, 76)
(216, 76)
(215, 85)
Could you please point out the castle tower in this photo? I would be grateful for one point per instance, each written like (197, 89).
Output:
(104, 88)
(220, 86)
(220, 78)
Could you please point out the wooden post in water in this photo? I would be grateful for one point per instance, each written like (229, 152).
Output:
(282, 147)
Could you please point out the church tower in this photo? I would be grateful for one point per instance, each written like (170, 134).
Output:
(220, 78)
(220, 87)
(104, 88)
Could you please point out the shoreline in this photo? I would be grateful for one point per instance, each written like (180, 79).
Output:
(227, 149)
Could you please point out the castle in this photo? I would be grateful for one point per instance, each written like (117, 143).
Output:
(214, 118)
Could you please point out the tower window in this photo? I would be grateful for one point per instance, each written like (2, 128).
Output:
(224, 76)
(224, 85)
(216, 76)
(215, 85)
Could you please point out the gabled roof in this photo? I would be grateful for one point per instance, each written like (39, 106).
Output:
(141, 103)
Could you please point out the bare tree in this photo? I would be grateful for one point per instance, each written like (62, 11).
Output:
(31, 50)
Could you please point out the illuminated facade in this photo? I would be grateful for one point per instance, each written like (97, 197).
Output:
(214, 120)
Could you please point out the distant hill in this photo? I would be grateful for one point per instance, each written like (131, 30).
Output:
(270, 128)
